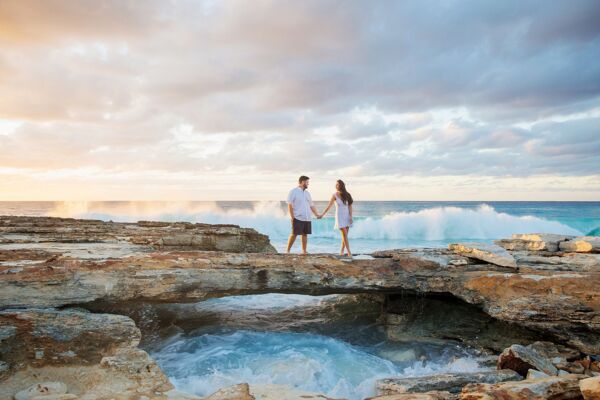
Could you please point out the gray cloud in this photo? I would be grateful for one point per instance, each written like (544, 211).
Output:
(271, 86)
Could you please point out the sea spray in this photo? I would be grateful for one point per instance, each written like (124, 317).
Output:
(439, 223)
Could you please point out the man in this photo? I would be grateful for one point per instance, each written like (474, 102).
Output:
(300, 205)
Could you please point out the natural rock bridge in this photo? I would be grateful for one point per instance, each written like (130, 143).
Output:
(541, 282)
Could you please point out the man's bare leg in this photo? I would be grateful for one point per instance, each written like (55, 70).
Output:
(304, 243)
(291, 241)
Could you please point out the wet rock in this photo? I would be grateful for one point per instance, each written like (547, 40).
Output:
(522, 358)
(42, 389)
(490, 253)
(590, 388)
(581, 244)
(535, 374)
(553, 387)
(445, 382)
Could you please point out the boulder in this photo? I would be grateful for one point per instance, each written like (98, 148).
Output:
(452, 382)
(490, 253)
(581, 244)
(540, 241)
(590, 388)
(553, 387)
(522, 358)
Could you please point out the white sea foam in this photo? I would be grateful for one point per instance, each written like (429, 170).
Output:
(309, 362)
(431, 224)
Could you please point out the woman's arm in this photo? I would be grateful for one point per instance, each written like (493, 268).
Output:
(328, 205)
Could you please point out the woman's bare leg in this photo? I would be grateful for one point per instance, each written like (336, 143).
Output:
(346, 230)
(345, 239)
(343, 243)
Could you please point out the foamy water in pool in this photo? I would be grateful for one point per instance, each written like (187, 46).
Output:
(345, 362)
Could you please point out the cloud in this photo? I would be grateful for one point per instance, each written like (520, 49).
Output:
(380, 89)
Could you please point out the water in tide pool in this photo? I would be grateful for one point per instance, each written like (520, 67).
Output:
(298, 340)
(377, 225)
(329, 345)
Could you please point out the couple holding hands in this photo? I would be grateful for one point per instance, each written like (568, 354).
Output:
(300, 205)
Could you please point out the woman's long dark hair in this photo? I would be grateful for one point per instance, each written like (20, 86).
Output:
(346, 197)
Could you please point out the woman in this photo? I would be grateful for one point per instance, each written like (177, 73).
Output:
(343, 213)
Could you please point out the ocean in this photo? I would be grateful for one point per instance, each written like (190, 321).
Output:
(377, 224)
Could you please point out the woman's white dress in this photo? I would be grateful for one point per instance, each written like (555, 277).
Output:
(342, 213)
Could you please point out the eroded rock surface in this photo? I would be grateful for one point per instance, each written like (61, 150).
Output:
(490, 253)
(114, 239)
(93, 355)
(49, 262)
(559, 298)
(556, 387)
(452, 383)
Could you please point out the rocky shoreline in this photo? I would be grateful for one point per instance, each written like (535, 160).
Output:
(538, 292)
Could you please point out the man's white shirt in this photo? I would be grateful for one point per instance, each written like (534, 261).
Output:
(301, 203)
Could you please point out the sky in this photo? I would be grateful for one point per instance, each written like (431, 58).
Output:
(233, 100)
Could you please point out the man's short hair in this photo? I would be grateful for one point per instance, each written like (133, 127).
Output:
(303, 178)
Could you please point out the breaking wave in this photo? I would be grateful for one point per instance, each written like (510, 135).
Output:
(431, 224)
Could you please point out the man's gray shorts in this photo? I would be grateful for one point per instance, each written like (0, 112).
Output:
(301, 227)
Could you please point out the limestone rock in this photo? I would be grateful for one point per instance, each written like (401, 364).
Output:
(522, 358)
(581, 244)
(431, 395)
(590, 388)
(237, 392)
(95, 354)
(282, 392)
(141, 236)
(49, 262)
(42, 389)
(419, 318)
(571, 367)
(445, 382)
(535, 374)
(490, 253)
(63, 336)
(554, 387)
(541, 241)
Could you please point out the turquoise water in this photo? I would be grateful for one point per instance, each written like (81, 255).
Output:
(341, 354)
(377, 225)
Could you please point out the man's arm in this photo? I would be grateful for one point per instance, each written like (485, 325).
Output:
(314, 210)
(291, 211)
(312, 207)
